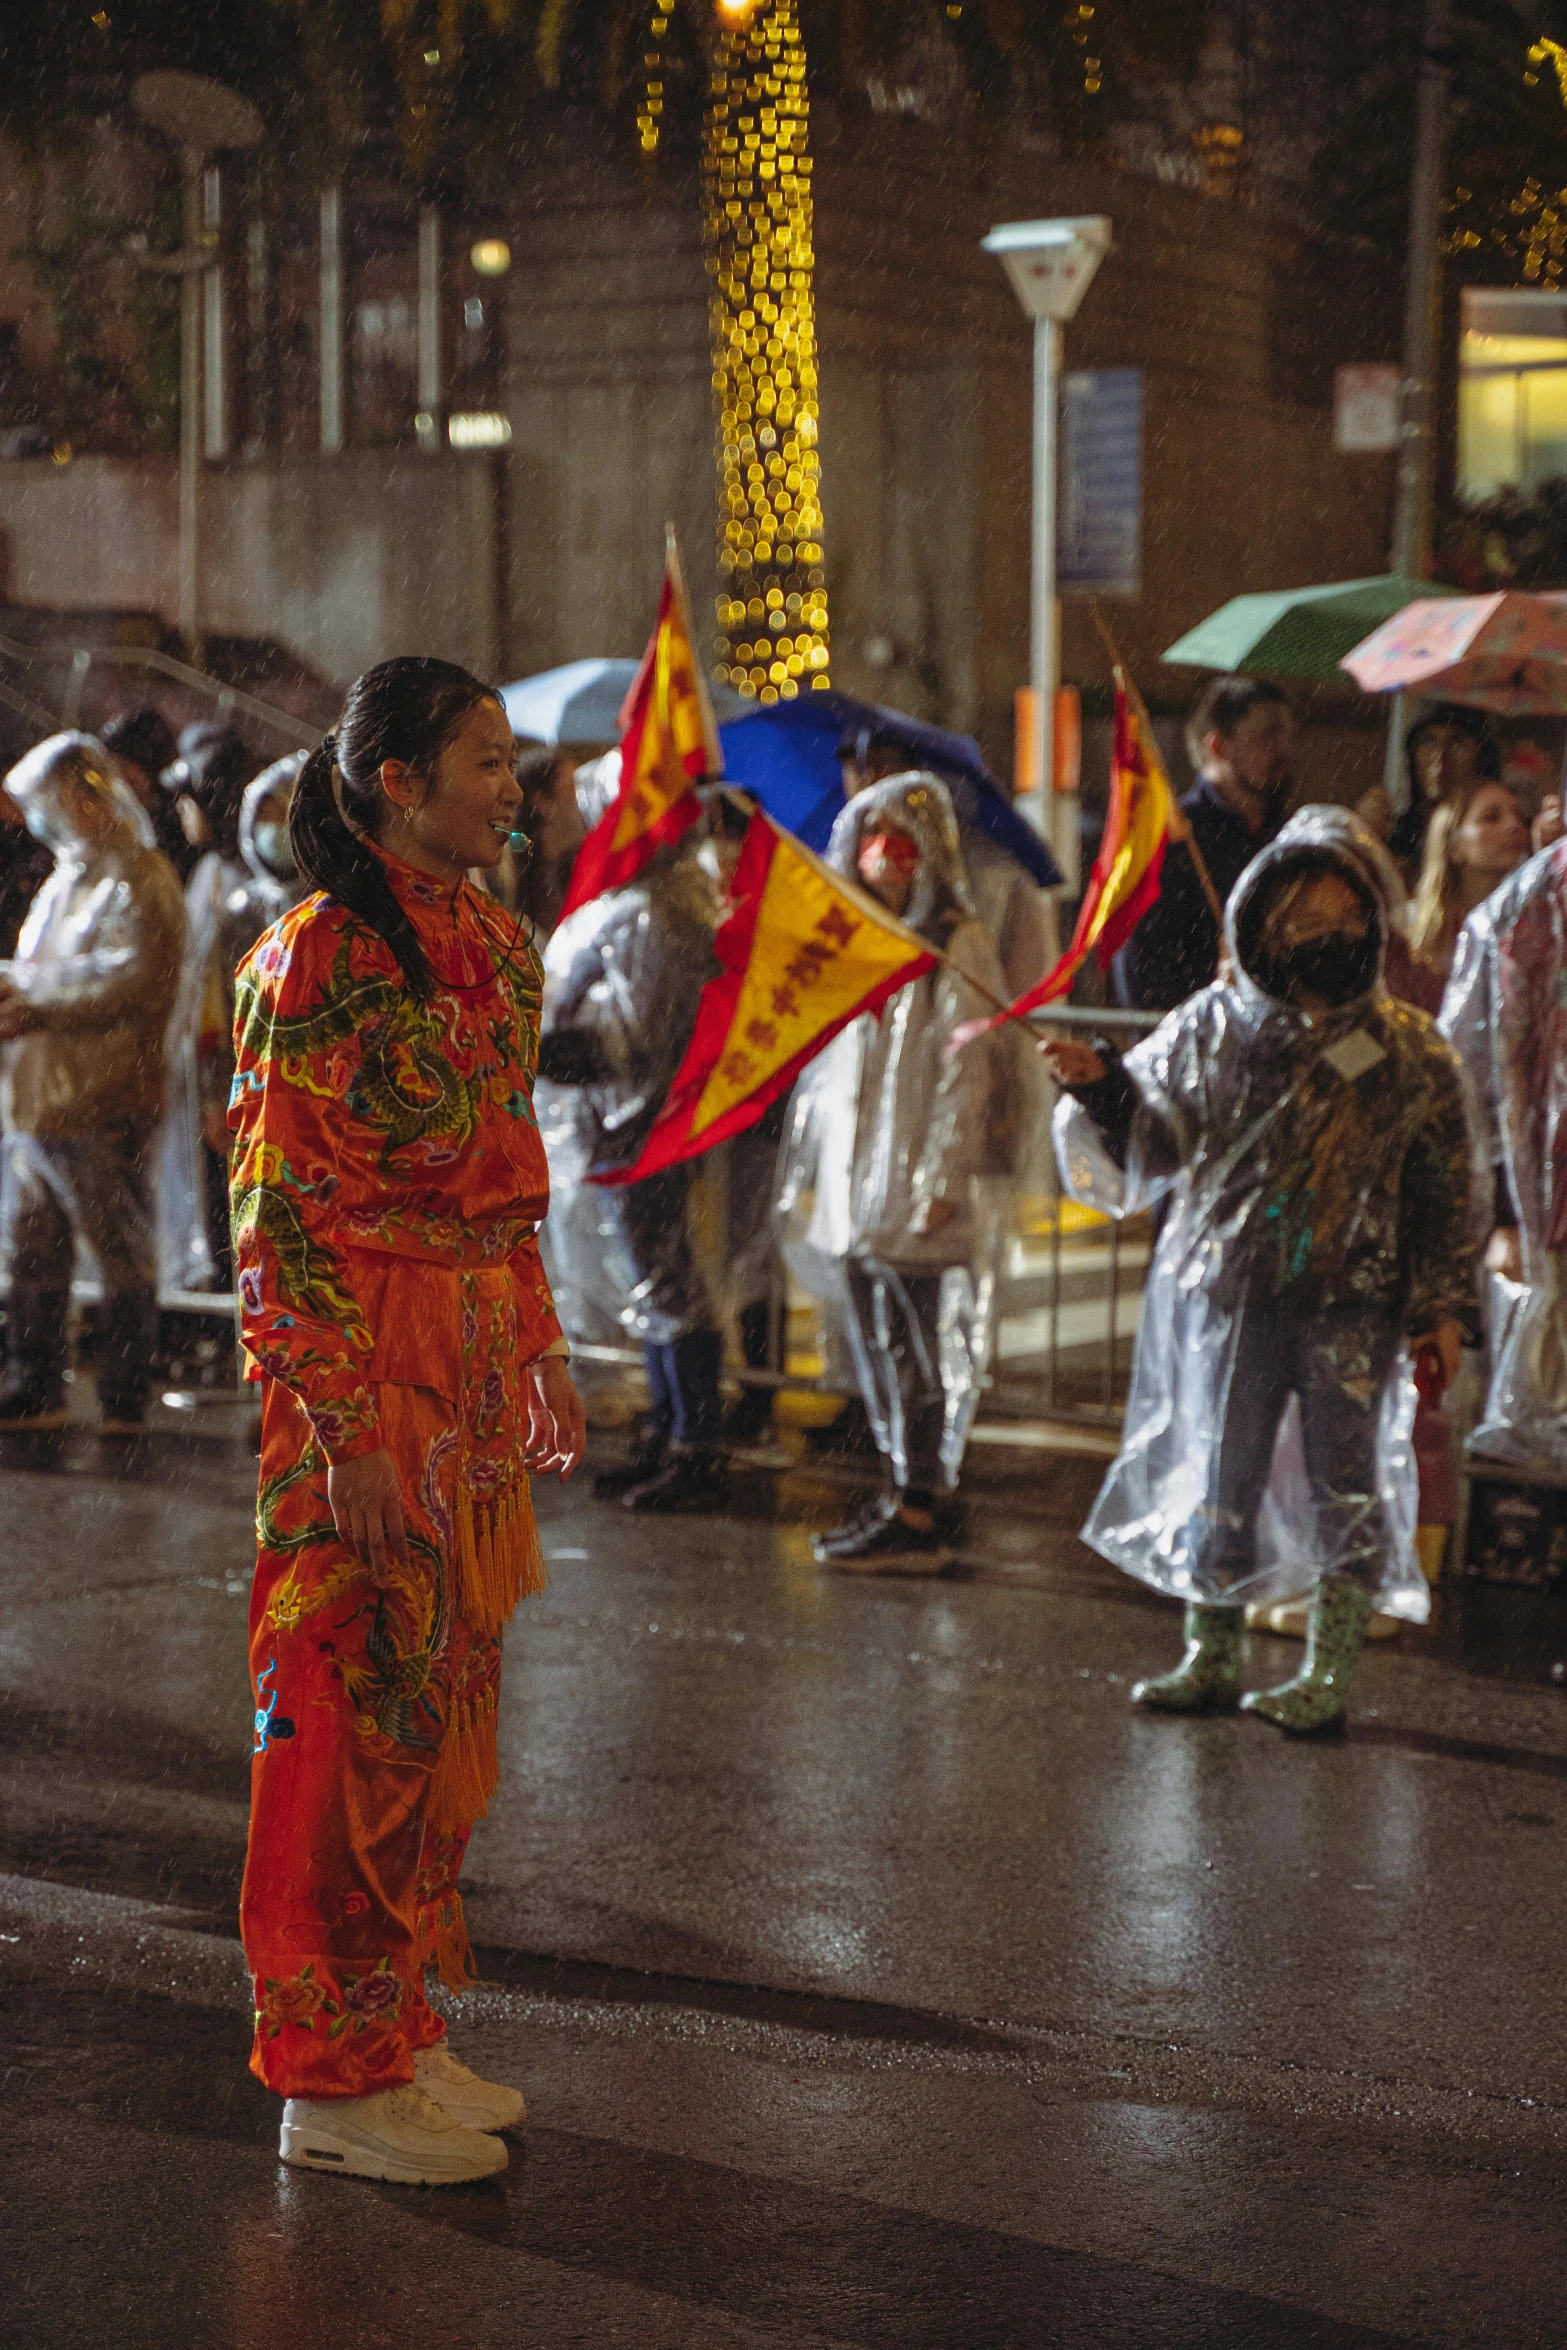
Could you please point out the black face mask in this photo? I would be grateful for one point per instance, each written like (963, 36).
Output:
(1335, 967)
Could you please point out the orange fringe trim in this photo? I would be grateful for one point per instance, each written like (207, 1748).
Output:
(444, 1944)
(499, 1557)
(467, 1767)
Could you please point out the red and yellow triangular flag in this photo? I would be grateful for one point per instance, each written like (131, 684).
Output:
(804, 952)
(1140, 822)
(668, 744)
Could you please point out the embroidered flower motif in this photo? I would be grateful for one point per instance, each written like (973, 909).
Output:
(355, 1904)
(250, 1290)
(379, 1994)
(298, 2001)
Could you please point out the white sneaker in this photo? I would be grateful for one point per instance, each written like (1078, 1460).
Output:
(398, 2134)
(478, 2105)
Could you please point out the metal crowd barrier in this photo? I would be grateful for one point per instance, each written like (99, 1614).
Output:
(79, 662)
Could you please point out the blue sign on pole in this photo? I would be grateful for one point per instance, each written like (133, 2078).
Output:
(1099, 512)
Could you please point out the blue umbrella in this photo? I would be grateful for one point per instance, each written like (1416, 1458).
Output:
(580, 703)
(787, 757)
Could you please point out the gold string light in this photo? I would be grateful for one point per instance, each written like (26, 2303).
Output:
(650, 120)
(1078, 24)
(772, 638)
(1530, 228)
(1549, 53)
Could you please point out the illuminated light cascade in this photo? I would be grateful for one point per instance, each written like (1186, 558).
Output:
(756, 192)
(650, 119)
(1541, 239)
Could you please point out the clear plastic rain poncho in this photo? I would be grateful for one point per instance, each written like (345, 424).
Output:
(229, 902)
(1505, 1012)
(97, 960)
(1318, 1184)
(98, 952)
(886, 1124)
(622, 978)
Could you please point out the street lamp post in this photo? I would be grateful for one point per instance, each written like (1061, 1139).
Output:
(1411, 552)
(1051, 264)
(202, 117)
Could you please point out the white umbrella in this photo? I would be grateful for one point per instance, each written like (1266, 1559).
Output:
(581, 701)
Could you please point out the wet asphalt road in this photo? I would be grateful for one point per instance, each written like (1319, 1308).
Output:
(876, 1976)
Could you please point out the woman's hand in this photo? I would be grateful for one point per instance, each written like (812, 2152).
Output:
(557, 1431)
(367, 1510)
(1548, 825)
(1069, 1063)
(1504, 1252)
(1446, 1342)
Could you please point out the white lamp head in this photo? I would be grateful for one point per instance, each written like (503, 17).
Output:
(1051, 262)
(204, 116)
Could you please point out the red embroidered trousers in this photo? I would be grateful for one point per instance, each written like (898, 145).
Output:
(374, 1747)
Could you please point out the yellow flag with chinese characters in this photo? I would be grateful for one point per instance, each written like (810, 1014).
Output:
(804, 952)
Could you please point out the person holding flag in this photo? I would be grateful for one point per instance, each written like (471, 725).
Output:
(624, 972)
(809, 950)
(1308, 1137)
(895, 1171)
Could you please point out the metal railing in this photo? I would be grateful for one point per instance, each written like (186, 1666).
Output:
(79, 662)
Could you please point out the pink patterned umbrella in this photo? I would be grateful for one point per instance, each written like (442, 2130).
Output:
(1505, 652)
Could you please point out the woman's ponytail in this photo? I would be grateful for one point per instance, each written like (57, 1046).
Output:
(405, 710)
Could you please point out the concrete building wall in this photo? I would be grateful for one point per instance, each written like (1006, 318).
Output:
(925, 406)
(611, 413)
(344, 559)
(926, 378)
(925, 399)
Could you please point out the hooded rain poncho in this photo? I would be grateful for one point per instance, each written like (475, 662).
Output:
(229, 902)
(623, 975)
(1318, 1183)
(1505, 1013)
(886, 1124)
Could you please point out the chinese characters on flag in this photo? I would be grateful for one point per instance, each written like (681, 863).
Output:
(668, 744)
(803, 953)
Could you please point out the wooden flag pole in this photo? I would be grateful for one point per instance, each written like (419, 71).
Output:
(1182, 830)
(968, 978)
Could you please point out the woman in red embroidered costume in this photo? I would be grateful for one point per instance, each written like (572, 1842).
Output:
(388, 1185)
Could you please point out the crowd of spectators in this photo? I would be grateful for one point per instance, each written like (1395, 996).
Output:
(137, 869)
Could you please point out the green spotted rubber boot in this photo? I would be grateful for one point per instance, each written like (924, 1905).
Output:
(1207, 1679)
(1313, 1703)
